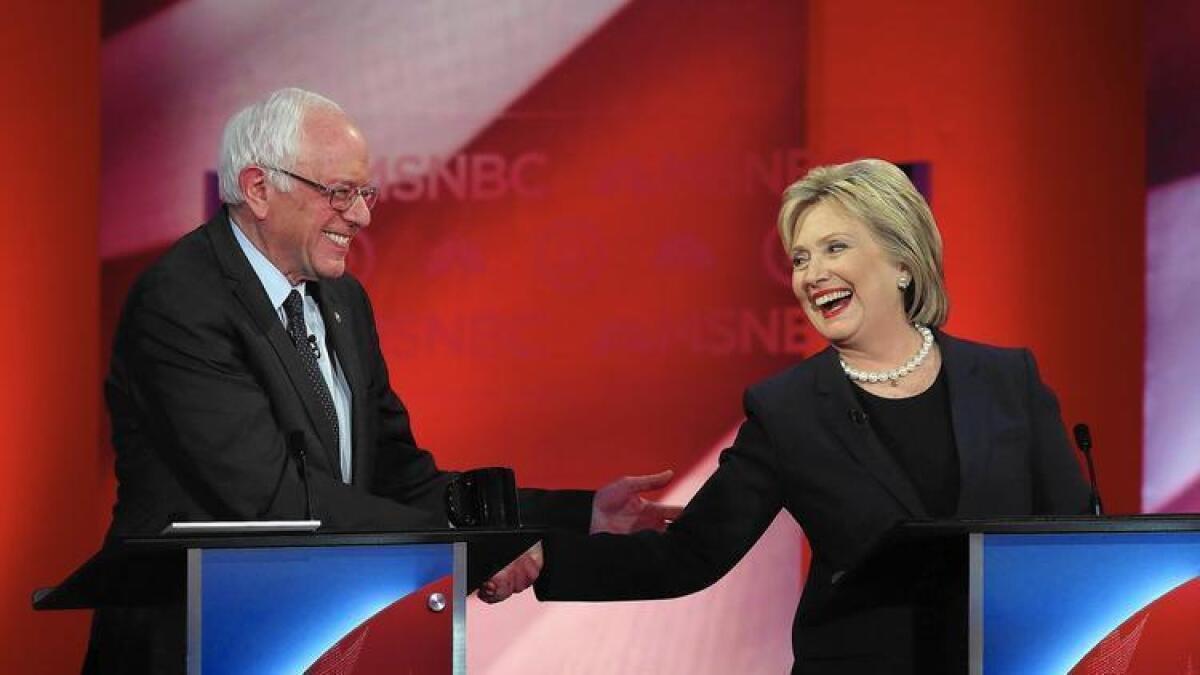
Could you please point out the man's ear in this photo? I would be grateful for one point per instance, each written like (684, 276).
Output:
(253, 182)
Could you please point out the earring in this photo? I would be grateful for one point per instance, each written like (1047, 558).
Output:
(902, 282)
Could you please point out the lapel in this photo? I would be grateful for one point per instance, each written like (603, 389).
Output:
(837, 407)
(253, 297)
(969, 398)
(342, 340)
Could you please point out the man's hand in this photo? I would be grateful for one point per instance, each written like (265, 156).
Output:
(514, 578)
(620, 509)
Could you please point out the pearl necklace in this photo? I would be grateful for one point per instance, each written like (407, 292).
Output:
(893, 376)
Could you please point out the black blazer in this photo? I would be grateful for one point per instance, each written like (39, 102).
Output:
(204, 389)
(803, 448)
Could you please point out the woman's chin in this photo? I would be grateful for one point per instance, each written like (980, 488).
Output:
(836, 329)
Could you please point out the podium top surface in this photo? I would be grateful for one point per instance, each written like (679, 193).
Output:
(129, 570)
(942, 544)
(471, 537)
(1178, 522)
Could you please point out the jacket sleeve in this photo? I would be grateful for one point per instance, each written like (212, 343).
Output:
(1058, 484)
(718, 526)
(569, 510)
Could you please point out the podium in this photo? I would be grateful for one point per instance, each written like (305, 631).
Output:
(313, 603)
(1046, 595)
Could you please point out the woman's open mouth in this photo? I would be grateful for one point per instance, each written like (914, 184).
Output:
(830, 303)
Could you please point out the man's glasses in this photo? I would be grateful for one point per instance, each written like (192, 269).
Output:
(340, 198)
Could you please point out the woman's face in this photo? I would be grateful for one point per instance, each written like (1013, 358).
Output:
(845, 281)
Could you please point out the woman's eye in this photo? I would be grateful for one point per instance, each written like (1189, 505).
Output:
(837, 247)
(799, 262)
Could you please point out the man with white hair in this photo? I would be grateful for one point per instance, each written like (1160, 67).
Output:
(247, 347)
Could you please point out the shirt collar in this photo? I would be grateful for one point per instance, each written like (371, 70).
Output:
(273, 281)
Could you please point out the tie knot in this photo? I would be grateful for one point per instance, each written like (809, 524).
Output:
(293, 306)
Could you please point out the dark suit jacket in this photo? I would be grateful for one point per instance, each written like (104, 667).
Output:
(801, 448)
(205, 387)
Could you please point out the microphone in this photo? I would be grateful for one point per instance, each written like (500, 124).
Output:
(312, 344)
(295, 444)
(857, 416)
(1083, 441)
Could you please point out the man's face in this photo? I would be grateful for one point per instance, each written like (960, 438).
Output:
(305, 237)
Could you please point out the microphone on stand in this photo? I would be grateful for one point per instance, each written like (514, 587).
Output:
(1083, 441)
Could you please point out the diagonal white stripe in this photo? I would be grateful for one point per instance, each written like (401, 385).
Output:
(421, 77)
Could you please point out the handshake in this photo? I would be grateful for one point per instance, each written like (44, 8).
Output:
(487, 497)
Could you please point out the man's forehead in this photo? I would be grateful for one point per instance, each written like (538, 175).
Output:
(326, 127)
(331, 143)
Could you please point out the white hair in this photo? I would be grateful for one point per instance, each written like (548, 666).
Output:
(265, 134)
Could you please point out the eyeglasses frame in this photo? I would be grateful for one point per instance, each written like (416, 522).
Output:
(368, 193)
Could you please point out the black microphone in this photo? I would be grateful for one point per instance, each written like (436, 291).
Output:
(295, 444)
(859, 417)
(1083, 441)
(312, 344)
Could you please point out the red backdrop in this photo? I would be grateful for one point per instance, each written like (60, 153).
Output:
(55, 489)
(1033, 123)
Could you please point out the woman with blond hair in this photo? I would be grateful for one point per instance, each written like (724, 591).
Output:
(895, 421)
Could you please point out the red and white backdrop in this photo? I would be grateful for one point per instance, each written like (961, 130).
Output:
(574, 266)
(573, 262)
(1172, 427)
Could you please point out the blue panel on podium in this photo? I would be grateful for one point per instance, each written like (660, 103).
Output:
(277, 610)
(1051, 599)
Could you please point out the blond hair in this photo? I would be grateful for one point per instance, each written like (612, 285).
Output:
(884, 199)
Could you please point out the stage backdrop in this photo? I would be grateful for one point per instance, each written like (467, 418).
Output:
(574, 265)
(1172, 430)
(574, 262)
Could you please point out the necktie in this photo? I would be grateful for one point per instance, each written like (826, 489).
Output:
(293, 306)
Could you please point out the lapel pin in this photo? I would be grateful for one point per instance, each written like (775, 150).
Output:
(337, 317)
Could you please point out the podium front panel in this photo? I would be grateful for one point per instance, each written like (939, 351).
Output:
(294, 609)
(1085, 602)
